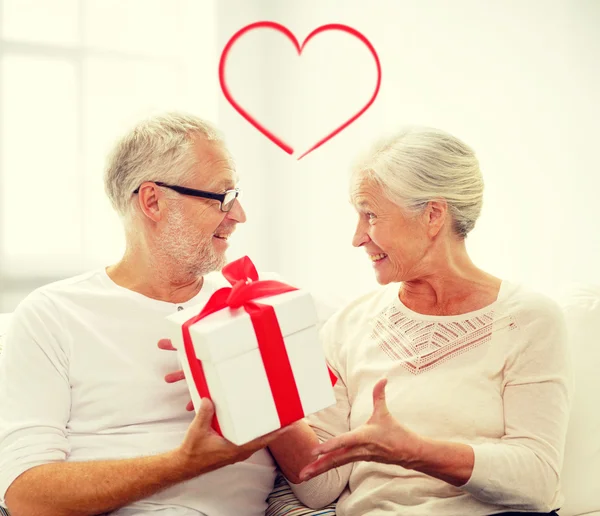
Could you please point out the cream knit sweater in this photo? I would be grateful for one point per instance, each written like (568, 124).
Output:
(497, 379)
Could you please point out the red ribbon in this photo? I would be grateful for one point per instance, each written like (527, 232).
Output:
(246, 287)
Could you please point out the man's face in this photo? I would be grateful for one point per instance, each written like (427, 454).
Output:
(194, 236)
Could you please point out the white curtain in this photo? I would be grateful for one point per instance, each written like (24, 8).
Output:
(74, 74)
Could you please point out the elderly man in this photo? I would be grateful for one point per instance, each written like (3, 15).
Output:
(87, 423)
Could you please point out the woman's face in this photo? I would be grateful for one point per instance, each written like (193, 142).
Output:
(395, 240)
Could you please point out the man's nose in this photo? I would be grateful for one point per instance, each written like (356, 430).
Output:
(237, 213)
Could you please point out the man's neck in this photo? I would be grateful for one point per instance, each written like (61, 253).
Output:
(153, 281)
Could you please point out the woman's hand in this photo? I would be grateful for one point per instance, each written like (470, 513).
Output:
(175, 376)
(380, 439)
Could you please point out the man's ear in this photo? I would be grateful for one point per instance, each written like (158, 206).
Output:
(151, 201)
(437, 214)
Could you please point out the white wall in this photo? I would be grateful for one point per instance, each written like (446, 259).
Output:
(518, 81)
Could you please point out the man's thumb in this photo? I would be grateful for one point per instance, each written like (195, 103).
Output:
(206, 411)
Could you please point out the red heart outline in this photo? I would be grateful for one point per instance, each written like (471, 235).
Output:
(286, 32)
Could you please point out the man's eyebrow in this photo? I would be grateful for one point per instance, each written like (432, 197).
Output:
(226, 184)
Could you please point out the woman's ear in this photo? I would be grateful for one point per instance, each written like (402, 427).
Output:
(437, 213)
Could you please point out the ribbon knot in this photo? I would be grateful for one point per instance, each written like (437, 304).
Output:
(238, 294)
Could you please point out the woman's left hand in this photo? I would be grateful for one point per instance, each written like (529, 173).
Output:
(380, 439)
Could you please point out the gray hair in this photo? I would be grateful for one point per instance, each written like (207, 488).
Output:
(156, 149)
(421, 164)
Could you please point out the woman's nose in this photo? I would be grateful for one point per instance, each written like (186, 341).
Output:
(360, 238)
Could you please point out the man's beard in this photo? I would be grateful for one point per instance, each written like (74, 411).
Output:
(188, 252)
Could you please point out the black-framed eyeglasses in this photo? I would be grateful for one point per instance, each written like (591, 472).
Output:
(226, 199)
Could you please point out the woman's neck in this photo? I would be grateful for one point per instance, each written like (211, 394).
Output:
(452, 286)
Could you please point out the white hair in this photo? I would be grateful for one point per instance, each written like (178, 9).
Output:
(156, 149)
(422, 164)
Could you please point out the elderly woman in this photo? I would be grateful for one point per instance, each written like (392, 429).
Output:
(454, 385)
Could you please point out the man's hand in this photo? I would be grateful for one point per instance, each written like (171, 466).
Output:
(175, 376)
(205, 450)
(202, 442)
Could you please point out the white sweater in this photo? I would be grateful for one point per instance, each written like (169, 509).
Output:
(498, 379)
(82, 379)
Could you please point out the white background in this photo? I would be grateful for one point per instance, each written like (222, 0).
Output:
(517, 80)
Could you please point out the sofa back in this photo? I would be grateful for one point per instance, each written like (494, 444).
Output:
(581, 469)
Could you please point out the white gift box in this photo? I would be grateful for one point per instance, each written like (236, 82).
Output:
(226, 344)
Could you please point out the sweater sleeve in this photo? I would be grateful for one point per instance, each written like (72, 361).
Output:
(522, 469)
(34, 392)
(324, 489)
